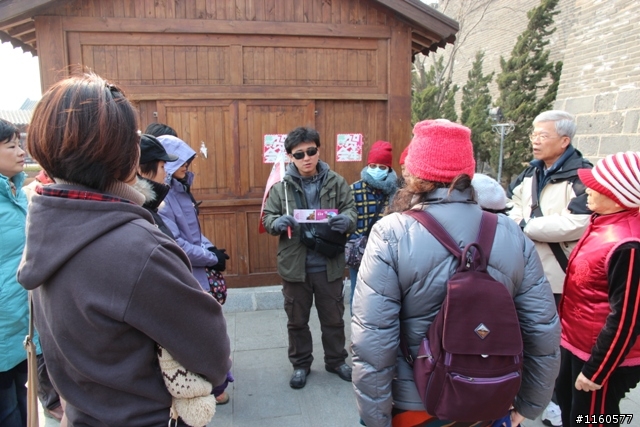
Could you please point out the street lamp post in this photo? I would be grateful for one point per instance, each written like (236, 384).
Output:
(502, 129)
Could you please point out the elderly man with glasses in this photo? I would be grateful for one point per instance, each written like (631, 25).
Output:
(550, 203)
(308, 264)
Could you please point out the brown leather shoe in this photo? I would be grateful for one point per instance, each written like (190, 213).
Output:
(55, 413)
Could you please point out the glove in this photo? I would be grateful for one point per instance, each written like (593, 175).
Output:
(339, 223)
(222, 257)
(280, 225)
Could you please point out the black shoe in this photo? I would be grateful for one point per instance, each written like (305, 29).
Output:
(343, 371)
(299, 378)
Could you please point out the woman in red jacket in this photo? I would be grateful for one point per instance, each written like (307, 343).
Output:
(601, 299)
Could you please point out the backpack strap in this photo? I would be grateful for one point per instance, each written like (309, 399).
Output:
(436, 229)
(562, 259)
(487, 232)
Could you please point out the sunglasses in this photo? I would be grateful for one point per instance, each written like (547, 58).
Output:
(311, 151)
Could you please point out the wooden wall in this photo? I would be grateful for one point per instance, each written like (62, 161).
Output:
(224, 73)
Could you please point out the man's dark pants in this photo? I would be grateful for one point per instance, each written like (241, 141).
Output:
(298, 299)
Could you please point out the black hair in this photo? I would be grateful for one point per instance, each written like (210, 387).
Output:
(8, 130)
(300, 135)
(159, 129)
(150, 168)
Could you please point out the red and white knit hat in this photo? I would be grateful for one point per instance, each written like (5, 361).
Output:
(617, 176)
(440, 151)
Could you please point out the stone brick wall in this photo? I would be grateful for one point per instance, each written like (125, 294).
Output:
(599, 44)
(600, 81)
(496, 34)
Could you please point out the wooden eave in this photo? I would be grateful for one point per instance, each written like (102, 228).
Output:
(430, 29)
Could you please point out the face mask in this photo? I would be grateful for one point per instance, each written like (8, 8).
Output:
(377, 174)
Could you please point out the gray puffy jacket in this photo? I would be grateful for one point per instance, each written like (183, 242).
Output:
(402, 283)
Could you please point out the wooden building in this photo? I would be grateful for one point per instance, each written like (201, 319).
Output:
(226, 72)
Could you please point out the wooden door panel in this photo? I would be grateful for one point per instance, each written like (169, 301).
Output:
(214, 123)
(258, 118)
(231, 180)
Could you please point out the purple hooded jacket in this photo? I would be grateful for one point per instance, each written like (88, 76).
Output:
(180, 215)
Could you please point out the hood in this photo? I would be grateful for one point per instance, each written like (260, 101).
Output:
(58, 228)
(153, 192)
(292, 170)
(179, 148)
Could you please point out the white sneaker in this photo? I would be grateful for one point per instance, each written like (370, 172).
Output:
(552, 416)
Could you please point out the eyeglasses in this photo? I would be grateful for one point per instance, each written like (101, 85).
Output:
(381, 167)
(311, 151)
(541, 136)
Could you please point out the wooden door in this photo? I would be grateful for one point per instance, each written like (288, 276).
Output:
(230, 180)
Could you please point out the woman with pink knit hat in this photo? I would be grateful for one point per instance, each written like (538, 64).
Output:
(402, 283)
(601, 298)
(372, 193)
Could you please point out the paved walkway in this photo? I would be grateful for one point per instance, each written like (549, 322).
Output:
(261, 395)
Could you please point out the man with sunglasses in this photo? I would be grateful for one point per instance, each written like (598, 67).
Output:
(310, 184)
(550, 204)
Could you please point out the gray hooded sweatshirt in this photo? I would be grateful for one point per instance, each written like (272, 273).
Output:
(108, 286)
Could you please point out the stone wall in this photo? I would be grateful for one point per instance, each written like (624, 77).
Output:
(599, 44)
(600, 81)
(496, 33)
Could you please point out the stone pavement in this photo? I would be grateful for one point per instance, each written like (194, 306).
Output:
(261, 395)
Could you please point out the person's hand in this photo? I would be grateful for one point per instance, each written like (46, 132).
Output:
(585, 384)
(339, 223)
(516, 418)
(280, 225)
(222, 257)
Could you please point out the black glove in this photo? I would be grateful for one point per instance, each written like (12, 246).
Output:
(222, 257)
(339, 223)
(280, 225)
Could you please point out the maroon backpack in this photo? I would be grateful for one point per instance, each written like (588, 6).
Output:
(469, 364)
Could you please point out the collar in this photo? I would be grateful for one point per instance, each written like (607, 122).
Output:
(388, 185)
(116, 192)
(444, 195)
(539, 164)
(608, 219)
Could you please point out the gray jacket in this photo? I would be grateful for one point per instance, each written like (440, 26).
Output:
(107, 286)
(402, 283)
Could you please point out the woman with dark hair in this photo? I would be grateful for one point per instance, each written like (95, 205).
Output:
(159, 129)
(152, 175)
(14, 307)
(108, 286)
(403, 277)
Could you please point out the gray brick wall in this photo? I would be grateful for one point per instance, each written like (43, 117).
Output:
(599, 44)
(600, 81)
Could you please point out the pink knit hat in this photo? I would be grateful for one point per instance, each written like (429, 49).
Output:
(617, 176)
(380, 153)
(440, 151)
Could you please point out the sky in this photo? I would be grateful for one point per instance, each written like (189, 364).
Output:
(19, 77)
